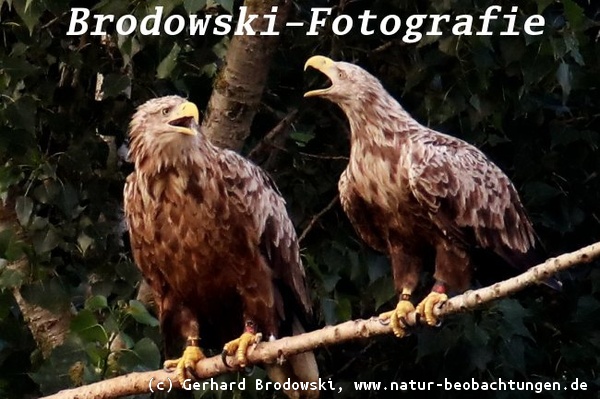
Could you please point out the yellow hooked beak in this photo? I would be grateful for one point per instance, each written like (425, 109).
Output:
(184, 118)
(323, 64)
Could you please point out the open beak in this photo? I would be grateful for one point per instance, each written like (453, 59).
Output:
(185, 118)
(324, 65)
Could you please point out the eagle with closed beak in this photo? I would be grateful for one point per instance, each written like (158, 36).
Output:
(409, 190)
(210, 233)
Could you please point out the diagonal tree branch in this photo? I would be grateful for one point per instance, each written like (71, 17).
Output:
(316, 218)
(137, 383)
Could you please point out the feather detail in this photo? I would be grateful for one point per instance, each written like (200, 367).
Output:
(210, 232)
(409, 190)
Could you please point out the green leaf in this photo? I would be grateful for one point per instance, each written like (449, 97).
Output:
(575, 14)
(514, 353)
(17, 68)
(572, 46)
(68, 201)
(54, 374)
(167, 5)
(383, 291)
(435, 342)
(567, 135)
(226, 4)
(24, 209)
(126, 339)
(50, 294)
(84, 242)
(115, 84)
(343, 309)
(514, 314)
(588, 310)
(129, 272)
(21, 114)
(96, 303)
(30, 12)
(302, 138)
(191, 6)
(379, 266)
(328, 306)
(143, 356)
(6, 302)
(448, 45)
(540, 192)
(168, 64)
(542, 4)
(88, 328)
(46, 240)
(564, 77)
(47, 191)
(148, 353)
(330, 281)
(129, 46)
(220, 50)
(11, 278)
(139, 312)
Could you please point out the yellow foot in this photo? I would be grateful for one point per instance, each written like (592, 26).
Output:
(427, 305)
(185, 366)
(239, 347)
(397, 317)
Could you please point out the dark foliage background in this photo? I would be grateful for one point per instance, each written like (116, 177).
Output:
(531, 103)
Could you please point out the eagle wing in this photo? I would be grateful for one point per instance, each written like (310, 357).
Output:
(467, 196)
(254, 191)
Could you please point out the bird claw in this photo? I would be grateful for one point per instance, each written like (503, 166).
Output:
(239, 347)
(397, 318)
(427, 306)
(224, 358)
(185, 366)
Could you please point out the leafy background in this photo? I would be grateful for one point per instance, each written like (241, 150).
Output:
(531, 103)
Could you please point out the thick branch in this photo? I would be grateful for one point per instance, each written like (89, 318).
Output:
(239, 86)
(136, 383)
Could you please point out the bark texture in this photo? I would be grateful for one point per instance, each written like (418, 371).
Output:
(239, 86)
(49, 328)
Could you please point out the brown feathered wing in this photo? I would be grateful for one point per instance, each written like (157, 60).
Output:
(211, 235)
(467, 196)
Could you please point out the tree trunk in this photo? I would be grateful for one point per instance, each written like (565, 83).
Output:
(49, 328)
(239, 86)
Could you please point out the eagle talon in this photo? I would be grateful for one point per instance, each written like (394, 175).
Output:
(403, 323)
(192, 372)
(427, 306)
(418, 318)
(224, 359)
(397, 317)
(239, 347)
(185, 366)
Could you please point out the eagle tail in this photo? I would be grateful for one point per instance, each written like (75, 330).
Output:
(524, 261)
(298, 368)
(553, 283)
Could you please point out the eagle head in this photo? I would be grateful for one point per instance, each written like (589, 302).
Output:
(349, 82)
(164, 128)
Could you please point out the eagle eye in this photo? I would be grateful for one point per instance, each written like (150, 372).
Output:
(165, 111)
(342, 75)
